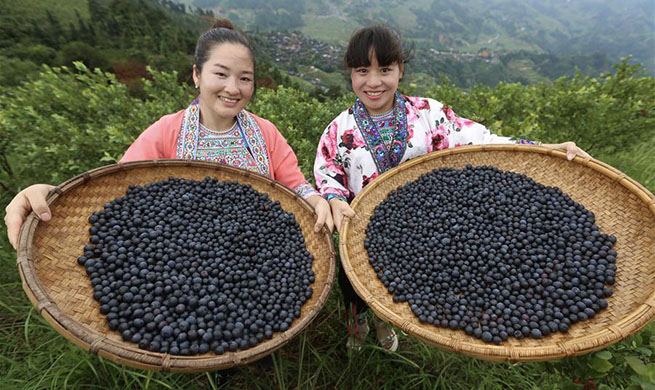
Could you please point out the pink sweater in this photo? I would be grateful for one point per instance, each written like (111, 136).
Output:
(160, 141)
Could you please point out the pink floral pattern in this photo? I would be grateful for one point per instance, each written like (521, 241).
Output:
(458, 123)
(419, 103)
(351, 139)
(344, 164)
(368, 179)
(437, 138)
(328, 147)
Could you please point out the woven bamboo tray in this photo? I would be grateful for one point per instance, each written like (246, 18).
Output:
(622, 207)
(62, 292)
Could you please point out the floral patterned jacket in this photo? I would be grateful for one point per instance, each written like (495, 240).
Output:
(344, 164)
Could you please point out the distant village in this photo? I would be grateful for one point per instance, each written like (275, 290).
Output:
(290, 50)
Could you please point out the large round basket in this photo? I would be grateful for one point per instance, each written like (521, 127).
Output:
(62, 292)
(622, 207)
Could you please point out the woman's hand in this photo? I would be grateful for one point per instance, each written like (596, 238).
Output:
(323, 214)
(31, 198)
(339, 210)
(570, 148)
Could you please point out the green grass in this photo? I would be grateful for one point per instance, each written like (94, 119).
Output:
(526, 69)
(34, 356)
(638, 163)
(329, 29)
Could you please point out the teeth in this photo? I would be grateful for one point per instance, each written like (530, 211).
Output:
(227, 99)
(374, 93)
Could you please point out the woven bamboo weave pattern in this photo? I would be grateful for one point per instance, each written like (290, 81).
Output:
(622, 208)
(62, 292)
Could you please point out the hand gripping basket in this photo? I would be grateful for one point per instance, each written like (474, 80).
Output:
(622, 207)
(62, 292)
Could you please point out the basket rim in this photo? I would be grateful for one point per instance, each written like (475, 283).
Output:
(627, 326)
(128, 353)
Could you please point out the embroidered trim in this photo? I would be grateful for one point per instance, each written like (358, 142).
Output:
(255, 140)
(305, 190)
(329, 197)
(187, 142)
(385, 157)
(525, 142)
(211, 131)
(385, 115)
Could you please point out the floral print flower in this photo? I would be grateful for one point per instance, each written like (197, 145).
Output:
(328, 148)
(368, 179)
(352, 139)
(419, 103)
(437, 138)
(458, 123)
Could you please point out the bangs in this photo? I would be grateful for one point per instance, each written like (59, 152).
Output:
(378, 39)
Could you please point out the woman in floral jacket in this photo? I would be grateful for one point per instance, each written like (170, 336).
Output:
(382, 129)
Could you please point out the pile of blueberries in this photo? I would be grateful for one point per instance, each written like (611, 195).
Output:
(492, 253)
(187, 267)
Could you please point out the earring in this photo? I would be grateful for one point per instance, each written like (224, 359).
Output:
(197, 86)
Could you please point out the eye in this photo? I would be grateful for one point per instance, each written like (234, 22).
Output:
(385, 70)
(361, 70)
(221, 75)
(246, 79)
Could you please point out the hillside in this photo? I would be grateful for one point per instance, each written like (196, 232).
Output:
(558, 27)
(301, 43)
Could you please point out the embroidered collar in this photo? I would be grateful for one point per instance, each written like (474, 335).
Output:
(208, 130)
(385, 157)
(384, 115)
(187, 141)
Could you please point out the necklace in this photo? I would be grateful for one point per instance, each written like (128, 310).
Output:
(385, 157)
(231, 129)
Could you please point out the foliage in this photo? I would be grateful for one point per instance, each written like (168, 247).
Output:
(66, 121)
(300, 118)
(605, 115)
(109, 33)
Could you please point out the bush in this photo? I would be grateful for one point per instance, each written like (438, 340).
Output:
(71, 120)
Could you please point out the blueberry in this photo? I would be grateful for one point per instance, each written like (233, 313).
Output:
(522, 258)
(153, 246)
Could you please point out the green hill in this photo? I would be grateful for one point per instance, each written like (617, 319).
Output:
(558, 27)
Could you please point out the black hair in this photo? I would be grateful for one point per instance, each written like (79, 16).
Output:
(381, 39)
(222, 31)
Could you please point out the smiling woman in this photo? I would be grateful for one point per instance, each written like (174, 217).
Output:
(226, 84)
(381, 130)
(215, 127)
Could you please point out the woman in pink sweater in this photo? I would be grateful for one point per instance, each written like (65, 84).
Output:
(215, 127)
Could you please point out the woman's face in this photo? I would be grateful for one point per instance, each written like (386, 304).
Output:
(376, 85)
(226, 83)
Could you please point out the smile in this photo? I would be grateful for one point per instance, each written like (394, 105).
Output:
(228, 100)
(374, 94)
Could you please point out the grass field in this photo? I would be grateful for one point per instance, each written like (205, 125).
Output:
(34, 356)
(329, 29)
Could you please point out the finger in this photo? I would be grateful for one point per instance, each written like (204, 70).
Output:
(330, 225)
(321, 216)
(348, 211)
(39, 205)
(330, 222)
(338, 218)
(14, 221)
